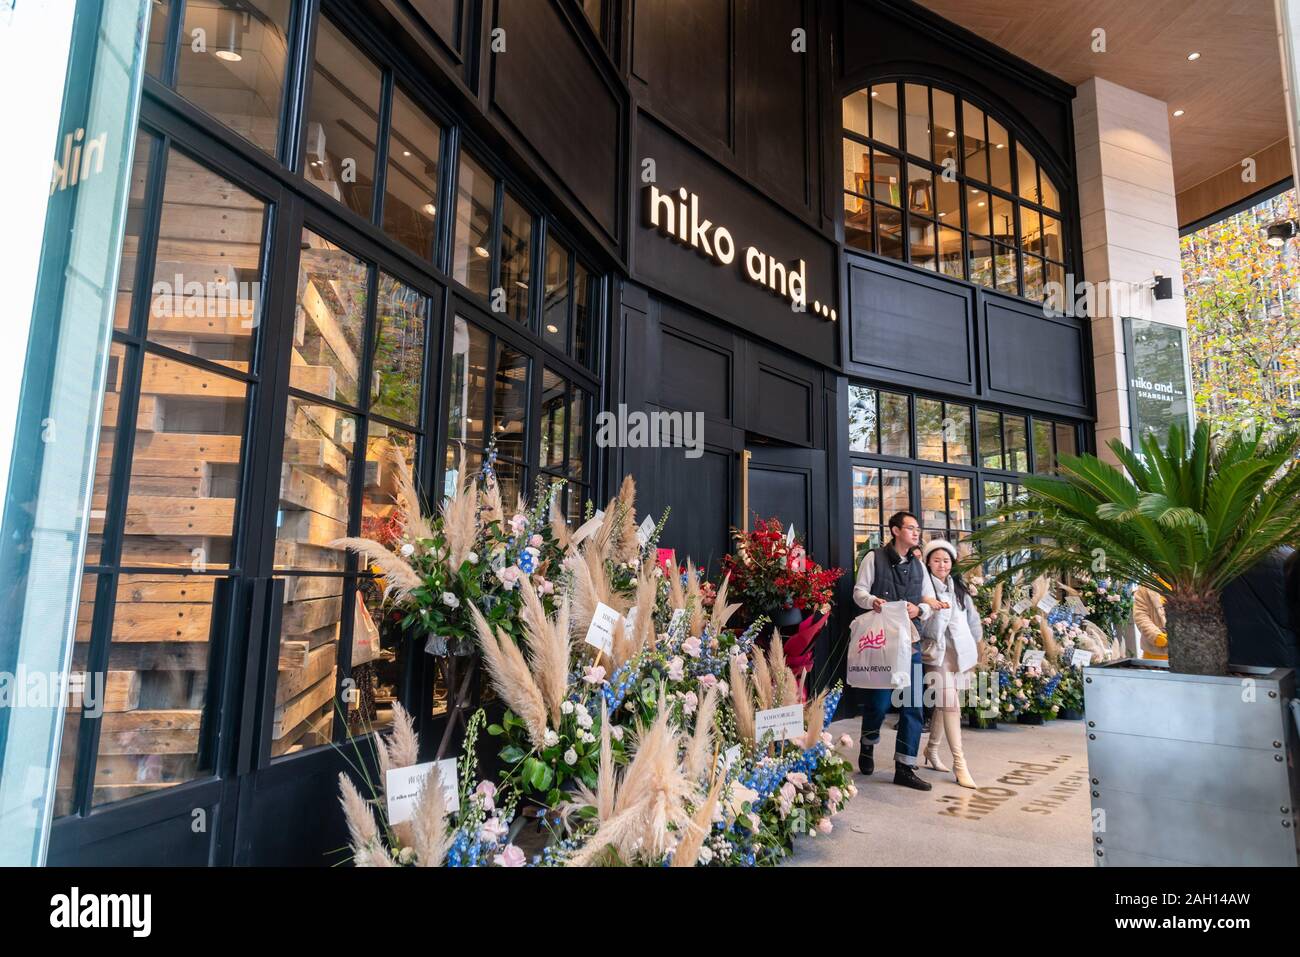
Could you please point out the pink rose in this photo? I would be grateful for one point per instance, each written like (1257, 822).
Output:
(835, 795)
(546, 586)
(487, 791)
(788, 793)
(824, 825)
(675, 666)
(797, 778)
(708, 681)
(690, 702)
(511, 856)
(595, 675)
(494, 829)
(846, 741)
(535, 541)
(692, 646)
(518, 523)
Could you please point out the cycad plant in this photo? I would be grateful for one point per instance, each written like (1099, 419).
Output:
(1184, 521)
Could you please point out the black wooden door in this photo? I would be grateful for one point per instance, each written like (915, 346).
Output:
(790, 484)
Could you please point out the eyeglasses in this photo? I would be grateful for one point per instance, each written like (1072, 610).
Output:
(910, 528)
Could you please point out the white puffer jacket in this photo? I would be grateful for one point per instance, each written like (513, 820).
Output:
(951, 626)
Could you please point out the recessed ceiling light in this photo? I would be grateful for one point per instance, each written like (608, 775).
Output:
(942, 215)
(406, 152)
(551, 328)
(481, 252)
(229, 55)
(952, 133)
(1193, 56)
(875, 92)
(980, 203)
(430, 209)
(1178, 112)
(999, 146)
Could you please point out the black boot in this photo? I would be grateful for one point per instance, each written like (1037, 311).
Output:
(908, 778)
(866, 758)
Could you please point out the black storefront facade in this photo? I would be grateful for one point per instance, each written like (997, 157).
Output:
(448, 218)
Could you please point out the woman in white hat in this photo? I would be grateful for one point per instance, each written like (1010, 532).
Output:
(949, 650)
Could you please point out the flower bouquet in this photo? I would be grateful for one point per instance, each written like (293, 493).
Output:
(771, 574)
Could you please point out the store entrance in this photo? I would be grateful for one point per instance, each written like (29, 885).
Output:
(788, 484)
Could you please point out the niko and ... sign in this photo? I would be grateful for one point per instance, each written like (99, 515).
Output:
(677, 216)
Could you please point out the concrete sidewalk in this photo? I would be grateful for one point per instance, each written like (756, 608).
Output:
(1032, 808)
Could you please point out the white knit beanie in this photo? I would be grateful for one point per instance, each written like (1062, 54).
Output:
(946, 545)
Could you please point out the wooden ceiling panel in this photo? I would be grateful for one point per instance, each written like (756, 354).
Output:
(1232, 96)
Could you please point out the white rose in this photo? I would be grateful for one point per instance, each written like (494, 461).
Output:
(706, 854)
(408, 550)
(450, 600)
(584, 720)
(571, 756)
(550, 739)
(567, 707)
(472, 558)
(616, 732)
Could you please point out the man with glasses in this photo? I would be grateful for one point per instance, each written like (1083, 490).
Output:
(889, 573)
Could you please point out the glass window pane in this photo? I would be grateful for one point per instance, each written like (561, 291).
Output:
(144, 147)
(555, 303)
(895, 425)
(1027, 174)
(1016, 442)
(948, 201)
(516, 257)
(396, 384)
(467, 384)
(922, 245)
(857, 167)
(862, 419)
(237, 71)
(1033, 277)
(579, 415)
(1055, 273)
(584, 314)
(471, 260)
(154, 693)
(381, 517)
(329, 320)
(1043, 457)
(1004, 263)
(950, 252)
(934, 506)
(981, 262)
(1051, 195)
(451, 463)
(886, 178)
(510, 401)
(895, 492)
(1004, 220)
(555, 420)
(855, 111)
(374, 669)
(977, 211)
(306, 679)
(994, 496)
(961, 504)
(866, 498)
(857, 222)
(889, 232)
(411, 188)
(156, 49)
(1031, 230)
(186, 468)
(884, 113)
(206, 296)
(1053, 246)
(319, 442)
(1065, 440)
(999, 156)
(929, 429)
(917, 100)
(920, 190)
(990, 433)
(108, 431)
(511, 476)
(956, 430)
(342, 121)
(974, 145)
(945, 128)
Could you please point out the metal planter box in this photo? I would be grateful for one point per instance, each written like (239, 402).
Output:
(1191, 769)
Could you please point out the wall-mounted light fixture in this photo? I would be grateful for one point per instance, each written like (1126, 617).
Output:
(1163, 287)
(1278, 233)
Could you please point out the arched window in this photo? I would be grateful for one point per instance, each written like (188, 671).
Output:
(932, 180)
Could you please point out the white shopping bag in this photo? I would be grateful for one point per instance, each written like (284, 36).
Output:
(880, 648)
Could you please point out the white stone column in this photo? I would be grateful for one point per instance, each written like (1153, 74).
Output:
(1288, 41)
(1129, 223)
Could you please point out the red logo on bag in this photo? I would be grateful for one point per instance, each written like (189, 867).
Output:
(871, 639)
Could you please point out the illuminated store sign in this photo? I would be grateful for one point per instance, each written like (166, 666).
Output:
(677, 215)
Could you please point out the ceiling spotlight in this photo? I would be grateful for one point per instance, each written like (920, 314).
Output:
(952, 133)
(1178, 112)
(481, 252)
(875, 92)
(406, 152)
(1193, 56)
(1000, 145)
(1279, 233)
(429, 209)
(980, 204)
(231, 28)
(552, 328)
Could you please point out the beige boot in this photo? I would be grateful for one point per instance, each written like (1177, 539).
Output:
(952, 727)
(930, 757)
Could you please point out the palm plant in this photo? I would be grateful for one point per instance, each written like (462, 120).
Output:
(1184, 521)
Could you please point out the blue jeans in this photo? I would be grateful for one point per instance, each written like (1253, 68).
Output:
(876, 702)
